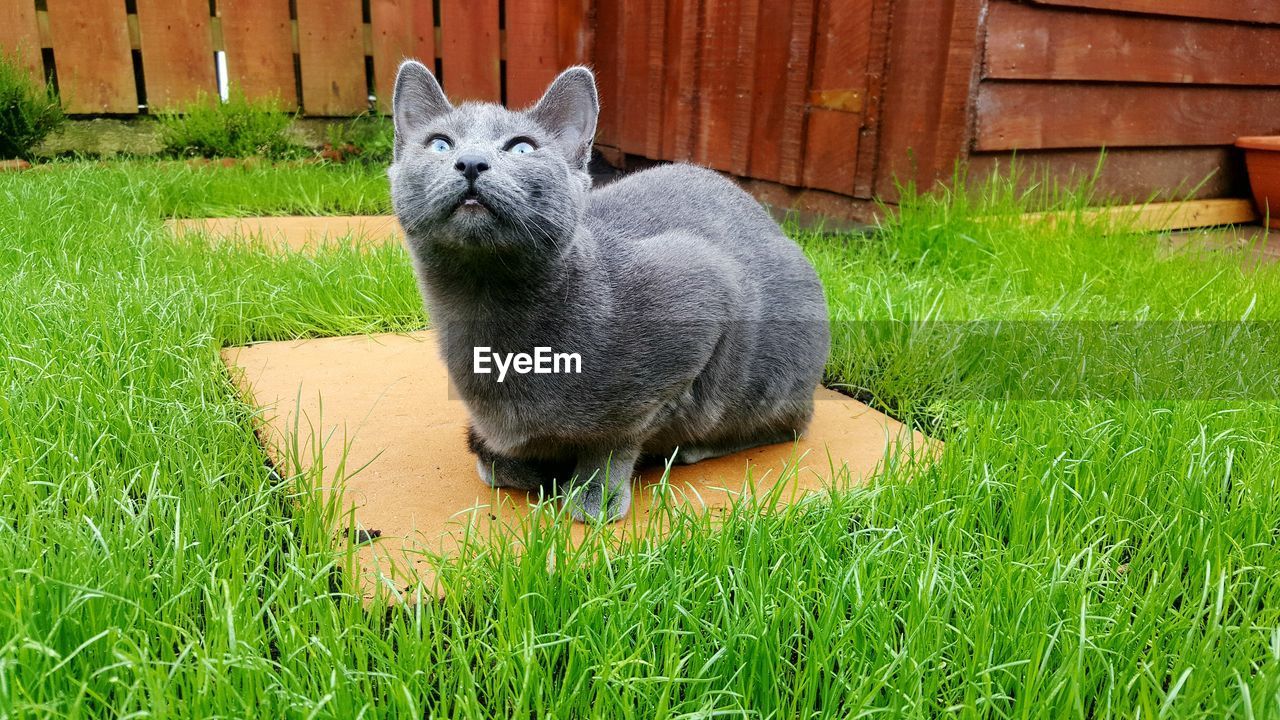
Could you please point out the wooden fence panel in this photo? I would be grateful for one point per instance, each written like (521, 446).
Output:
(924, 126)
(1038, 43)
(794, 95)
(331, 54)
(20, 36)
(717, 84)
(533, 50)
(678, 77)
(177, 52)
(877, 65)
(837, 95)
(655, 74)
(773, 53)
(575, 32)
(1258, 11)
(636, 98)
(608, 74)
(746, 75)
(470, 55)
(94, 60)
(402, 29)
(1060, 115)
(258, 38)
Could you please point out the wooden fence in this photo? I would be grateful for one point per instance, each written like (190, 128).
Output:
(326, 57)
(777, 90)
(820, 105)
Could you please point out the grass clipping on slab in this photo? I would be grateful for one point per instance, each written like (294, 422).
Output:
(1102, 548)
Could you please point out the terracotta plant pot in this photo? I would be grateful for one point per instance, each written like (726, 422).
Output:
(1262, 155)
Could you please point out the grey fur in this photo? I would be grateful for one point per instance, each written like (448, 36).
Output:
(701, 326)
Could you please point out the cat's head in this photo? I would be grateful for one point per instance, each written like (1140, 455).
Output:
(478, 176)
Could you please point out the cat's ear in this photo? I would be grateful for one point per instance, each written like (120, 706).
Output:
(569, 110)
(417, 100)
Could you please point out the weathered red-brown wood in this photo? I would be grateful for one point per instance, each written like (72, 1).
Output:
(1259, 11)
(680, 121)
(1026, 42)
(837, 95)
(747, 71)
(795, 92)
(633, 50)
(402, 30)
(177, 52)
(95, 62)
(533, 49)
(331, 56)
(575, 33)
(1127, 174)
(831, 150)
(772, 53)
(868, 144)
(258, 38)
(655, 68)
(932, 63)
(717, 84)
(607, 70)
(20, 36)
(1015, 115)
(470, 50)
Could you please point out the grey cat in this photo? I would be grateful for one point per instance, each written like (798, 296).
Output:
(701, 328)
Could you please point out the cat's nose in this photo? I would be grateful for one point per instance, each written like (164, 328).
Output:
(471, 165)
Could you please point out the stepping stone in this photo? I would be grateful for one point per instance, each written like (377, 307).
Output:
(296, 233)
(386, 401)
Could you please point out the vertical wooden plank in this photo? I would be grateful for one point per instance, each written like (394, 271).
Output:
(95, 63)
(470, 52)
(20, 36)
(676, 54)
(331, 55)
(799, 58)
(533, 49)
(864, 177)
(686, 129)
(929, 91)
(608, 85)
(634, 54)
(402, 29)
(258, 38)
(745, 72)
(576, 41)
(837, 94)
(177, 52)
(717, 84)
(655, 67)
(772, 53)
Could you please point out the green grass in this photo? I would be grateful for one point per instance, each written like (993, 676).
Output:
(234, 128)
(1107, 548)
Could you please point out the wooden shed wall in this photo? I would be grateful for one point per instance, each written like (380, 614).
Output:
(1164, 85)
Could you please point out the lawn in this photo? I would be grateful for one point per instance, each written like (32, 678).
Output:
(1099, 538)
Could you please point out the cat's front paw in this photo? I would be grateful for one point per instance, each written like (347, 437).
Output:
(597, 504)
(511, 474)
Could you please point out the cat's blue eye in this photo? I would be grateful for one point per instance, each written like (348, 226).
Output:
(521, 147)
(439, 145)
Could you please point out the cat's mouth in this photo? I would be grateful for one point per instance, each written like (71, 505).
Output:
(470, 202)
